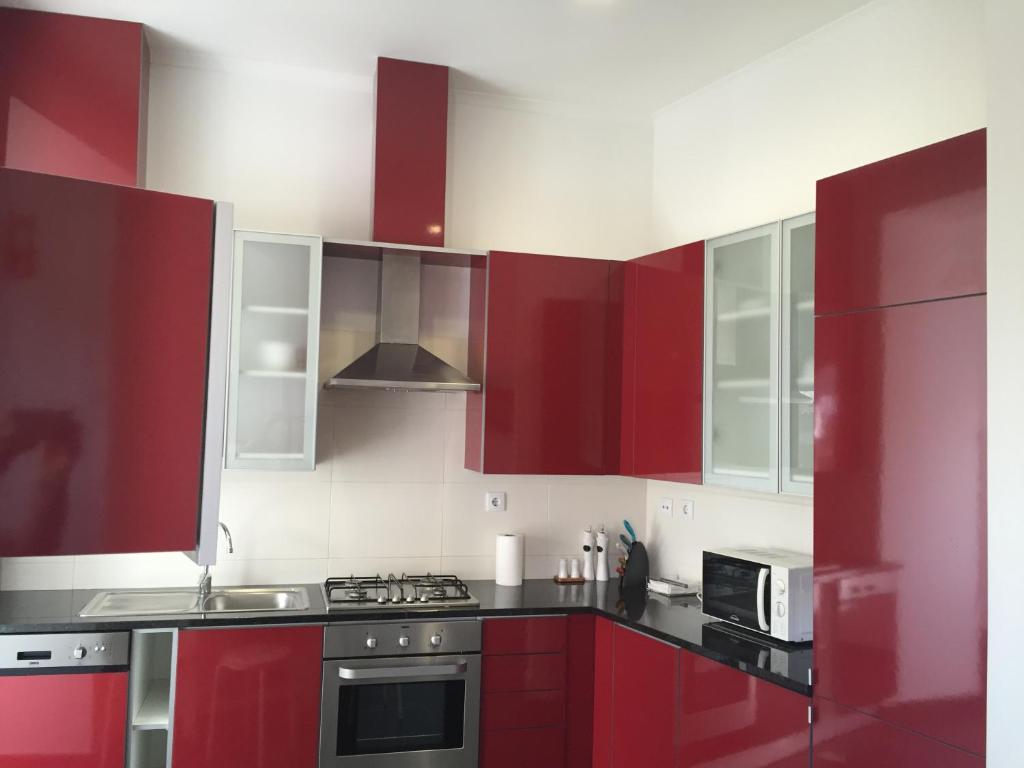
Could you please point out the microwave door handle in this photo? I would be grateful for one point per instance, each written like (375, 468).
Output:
(762, 584)
(412, 670)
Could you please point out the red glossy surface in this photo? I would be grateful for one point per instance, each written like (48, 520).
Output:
(522, 709)
(410, 152)
(524, 672)
(909, 228)
(63, 721)
(546, 383)
(72, 95)
(604, 663)
(627, 375)
(614, 366)
(104, 311)
(728, 717)
(248, 698)
(900, 516)
(645, 701)
(662, 408)
(534, 747)
(579, 734)
(531, 635)
(844, 738)
(475, 363)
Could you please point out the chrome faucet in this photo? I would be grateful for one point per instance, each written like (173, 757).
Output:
(205, 581)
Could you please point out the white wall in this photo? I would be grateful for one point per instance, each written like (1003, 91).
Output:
(893, 76)
(292, 149)
(1005, 379)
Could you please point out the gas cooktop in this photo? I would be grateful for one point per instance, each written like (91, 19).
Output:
(405, 592)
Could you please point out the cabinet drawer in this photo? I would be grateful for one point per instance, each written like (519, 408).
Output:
(535, 635)
(522, 709)
(524, 672)
(540, 747)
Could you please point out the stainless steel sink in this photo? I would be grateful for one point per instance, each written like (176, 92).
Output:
(151, 602)
(256, 599)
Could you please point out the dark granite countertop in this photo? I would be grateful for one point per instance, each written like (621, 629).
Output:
(677, 621)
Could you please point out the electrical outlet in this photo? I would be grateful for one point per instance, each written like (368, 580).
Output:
(496, 502)
(665, 507)
(686, 508)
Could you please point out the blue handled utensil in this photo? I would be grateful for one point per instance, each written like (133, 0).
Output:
(629, 528)
(624, 540)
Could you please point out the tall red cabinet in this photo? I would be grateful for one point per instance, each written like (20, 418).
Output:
(73, 95)
(105, 312)
(900, 473)
(543, 330)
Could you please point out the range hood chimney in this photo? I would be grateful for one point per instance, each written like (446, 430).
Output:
(398, 361)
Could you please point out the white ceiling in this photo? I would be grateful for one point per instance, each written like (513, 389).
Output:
(628, 55)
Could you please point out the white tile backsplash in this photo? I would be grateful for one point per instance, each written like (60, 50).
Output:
(389, 494)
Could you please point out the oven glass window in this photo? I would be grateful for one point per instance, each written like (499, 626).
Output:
(730, 589)
(400, 717)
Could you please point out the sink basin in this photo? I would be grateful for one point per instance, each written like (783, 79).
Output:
(151, 602)
(142, 602)
(249, 599)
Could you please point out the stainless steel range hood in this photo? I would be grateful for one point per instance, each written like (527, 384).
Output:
(397, 361)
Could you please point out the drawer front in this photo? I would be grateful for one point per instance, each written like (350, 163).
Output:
(522, 709)
(535, 747)
(528, 635)
(524, 672)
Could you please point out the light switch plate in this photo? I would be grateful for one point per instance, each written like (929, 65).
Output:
(686, 509)
(496, 502)
(665, 506)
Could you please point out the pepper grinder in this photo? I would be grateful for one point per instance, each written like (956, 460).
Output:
(588, 554)
(602, 555)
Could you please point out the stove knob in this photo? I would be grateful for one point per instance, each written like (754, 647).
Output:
(403, 641)
(371, 643)
(79, 652)
(435, 640)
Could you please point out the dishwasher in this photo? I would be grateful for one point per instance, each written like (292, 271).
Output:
(63, 700)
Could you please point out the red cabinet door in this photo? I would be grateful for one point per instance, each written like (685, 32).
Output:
(900, 516)
(531, 747)
(645, 701)
(104, 321)
(844, 738)
(662, 389)
(547, 380)
(579, 715)
(248, 698)
(728, 717)
(73, 95)
(604, 663)
(906, 229)
(63, 721)
(541, 634)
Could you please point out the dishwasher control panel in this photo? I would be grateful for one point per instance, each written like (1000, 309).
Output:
(80, 649)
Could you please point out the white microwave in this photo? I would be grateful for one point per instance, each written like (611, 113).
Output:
(769, 591)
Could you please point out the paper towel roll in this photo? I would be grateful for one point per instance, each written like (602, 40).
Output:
(508, 560)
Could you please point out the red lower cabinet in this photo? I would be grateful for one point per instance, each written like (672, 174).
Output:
(579, 714)
(542, 634)
(728, 717)
(523, 748)
(645, 701)
(845, 738)
(63, 721)
(604, 665)
(248, 698)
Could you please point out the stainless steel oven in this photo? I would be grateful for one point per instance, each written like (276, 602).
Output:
(401, 694)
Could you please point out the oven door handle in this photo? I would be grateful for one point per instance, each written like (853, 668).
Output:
(411, 670)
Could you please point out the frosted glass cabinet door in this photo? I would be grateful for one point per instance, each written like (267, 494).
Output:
(798, 355)
(741, 354)
(275, 332)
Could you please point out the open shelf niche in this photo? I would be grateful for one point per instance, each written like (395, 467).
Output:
(151, 697)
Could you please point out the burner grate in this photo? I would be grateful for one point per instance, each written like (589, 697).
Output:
(408, 590)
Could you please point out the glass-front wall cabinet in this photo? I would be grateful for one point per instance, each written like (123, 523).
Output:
(272, 386)
(758, 358)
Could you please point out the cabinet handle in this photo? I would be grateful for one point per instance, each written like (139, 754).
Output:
(762, 582)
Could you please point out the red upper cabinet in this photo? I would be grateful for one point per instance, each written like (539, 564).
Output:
(248, 698)
(63, 721)
(73, 96)
(645, 699)
(549, 380)
(104, 320)
(906, 229)
(728, 717)
(899, 508)
(663, 334)
(844, 738)
(410, 160)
